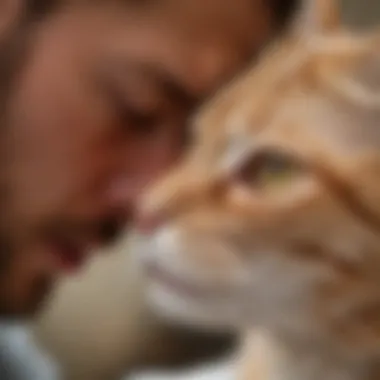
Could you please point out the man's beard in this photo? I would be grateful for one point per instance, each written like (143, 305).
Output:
(14, 54)
(21, 294)
(6, 254)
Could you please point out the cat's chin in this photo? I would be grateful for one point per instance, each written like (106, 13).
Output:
(192, 312)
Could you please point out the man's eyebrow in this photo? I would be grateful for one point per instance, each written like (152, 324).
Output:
(166, 80)
(173, 87)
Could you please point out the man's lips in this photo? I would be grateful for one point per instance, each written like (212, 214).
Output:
(70, 255)
(71, 247)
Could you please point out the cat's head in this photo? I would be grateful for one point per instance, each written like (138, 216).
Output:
(276, 207)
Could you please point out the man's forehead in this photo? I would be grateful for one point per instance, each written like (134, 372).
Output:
(158, 75)
(201, 55)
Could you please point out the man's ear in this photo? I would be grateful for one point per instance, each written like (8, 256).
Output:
(11, 13)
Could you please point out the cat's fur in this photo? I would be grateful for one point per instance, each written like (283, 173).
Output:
(271, 225)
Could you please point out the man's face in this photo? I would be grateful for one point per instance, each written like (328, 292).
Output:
(97, 111)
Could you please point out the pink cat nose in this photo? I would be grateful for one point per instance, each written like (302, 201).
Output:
(149, 222)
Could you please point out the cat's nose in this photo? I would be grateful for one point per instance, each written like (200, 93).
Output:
(148, 222)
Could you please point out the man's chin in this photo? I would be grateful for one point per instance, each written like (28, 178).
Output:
(22, 312)
(21, 308)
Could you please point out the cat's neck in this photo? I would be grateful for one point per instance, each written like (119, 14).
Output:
(268, 356)
(326, 328)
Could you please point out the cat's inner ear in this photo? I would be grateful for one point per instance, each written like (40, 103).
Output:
(317, 17)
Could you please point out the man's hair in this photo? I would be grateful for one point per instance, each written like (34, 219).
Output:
(37, 9)
(282, 9)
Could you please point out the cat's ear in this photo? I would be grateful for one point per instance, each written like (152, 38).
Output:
(317, 17)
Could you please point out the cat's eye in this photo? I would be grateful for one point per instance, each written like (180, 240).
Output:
(269, 168)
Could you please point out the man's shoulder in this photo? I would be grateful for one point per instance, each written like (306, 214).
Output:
(20, 359)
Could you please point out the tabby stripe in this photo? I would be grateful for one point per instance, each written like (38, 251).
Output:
(347, 196)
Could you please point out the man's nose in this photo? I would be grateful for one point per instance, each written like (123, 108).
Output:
(126, 194)
(148, 209)
(148, 222)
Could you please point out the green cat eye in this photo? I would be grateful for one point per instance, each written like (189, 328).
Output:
(269, 168)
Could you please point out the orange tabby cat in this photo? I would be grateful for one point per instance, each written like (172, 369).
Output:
(271, 225)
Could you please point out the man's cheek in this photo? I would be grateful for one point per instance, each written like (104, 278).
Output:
(167, 149)
(159, 159)
(26, 280)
